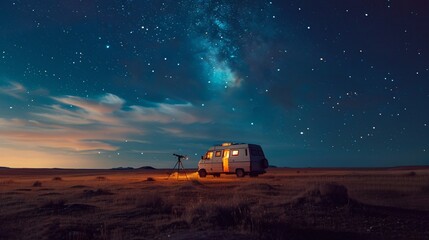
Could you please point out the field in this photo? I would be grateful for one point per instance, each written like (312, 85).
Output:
(281, 204)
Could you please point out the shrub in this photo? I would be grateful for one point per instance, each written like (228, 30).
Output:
(100, 178)
(150, 179)
(37, 184)
(57, 179)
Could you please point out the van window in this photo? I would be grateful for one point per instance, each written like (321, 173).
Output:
(218, 153)
(209, 155)
(234, 152)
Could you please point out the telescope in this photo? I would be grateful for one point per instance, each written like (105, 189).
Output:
(179, 156)
(179, 165)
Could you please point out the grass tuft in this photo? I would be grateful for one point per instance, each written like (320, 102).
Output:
(57, 179)
(154, 203)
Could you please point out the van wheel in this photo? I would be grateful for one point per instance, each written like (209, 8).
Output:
(239, 172)
(216, 175)
(202, 173)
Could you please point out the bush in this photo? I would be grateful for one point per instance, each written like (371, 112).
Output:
(57, 179)
(37, 184)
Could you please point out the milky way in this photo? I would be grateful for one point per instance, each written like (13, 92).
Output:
(106, 84)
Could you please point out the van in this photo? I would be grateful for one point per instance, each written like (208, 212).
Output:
(233, 158)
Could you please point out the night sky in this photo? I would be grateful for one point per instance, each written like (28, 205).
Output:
(101, 84)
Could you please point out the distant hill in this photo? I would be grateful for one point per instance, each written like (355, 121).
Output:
(147, 168)
(123, 168)
(409, 167)
(4, 168)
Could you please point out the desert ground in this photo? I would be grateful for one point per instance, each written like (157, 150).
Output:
(284, 203)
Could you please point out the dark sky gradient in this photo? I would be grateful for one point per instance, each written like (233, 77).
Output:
(100, 84)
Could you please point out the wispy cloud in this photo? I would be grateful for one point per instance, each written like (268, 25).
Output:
(13, 89)
(75, 124)
(105, 104)
(29, 134)
(166, 113)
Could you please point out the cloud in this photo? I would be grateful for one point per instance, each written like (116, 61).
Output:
(165, 113)
(32, 134)
(75, 124)
(13, 89)
(105, 104)
(112, 99)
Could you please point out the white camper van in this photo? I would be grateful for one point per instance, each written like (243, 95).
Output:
(233, 158)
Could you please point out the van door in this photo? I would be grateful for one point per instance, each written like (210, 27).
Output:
(225, 160)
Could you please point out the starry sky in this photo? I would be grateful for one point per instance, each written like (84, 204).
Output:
(101, 84)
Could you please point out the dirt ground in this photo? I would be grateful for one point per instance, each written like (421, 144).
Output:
(151, 204)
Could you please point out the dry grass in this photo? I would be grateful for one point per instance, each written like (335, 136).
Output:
(293, 204)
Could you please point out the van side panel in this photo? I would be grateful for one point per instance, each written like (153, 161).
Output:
(239, 159)
(213, 165)
(257, 158)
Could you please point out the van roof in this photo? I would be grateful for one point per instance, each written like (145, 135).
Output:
(233, 145)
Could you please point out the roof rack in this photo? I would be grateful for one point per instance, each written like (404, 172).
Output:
(225, 144)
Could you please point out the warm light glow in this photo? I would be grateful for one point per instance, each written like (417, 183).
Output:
(225, 161)
(234, 152)
(209, 155)
(226, 144)
(40, 159)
